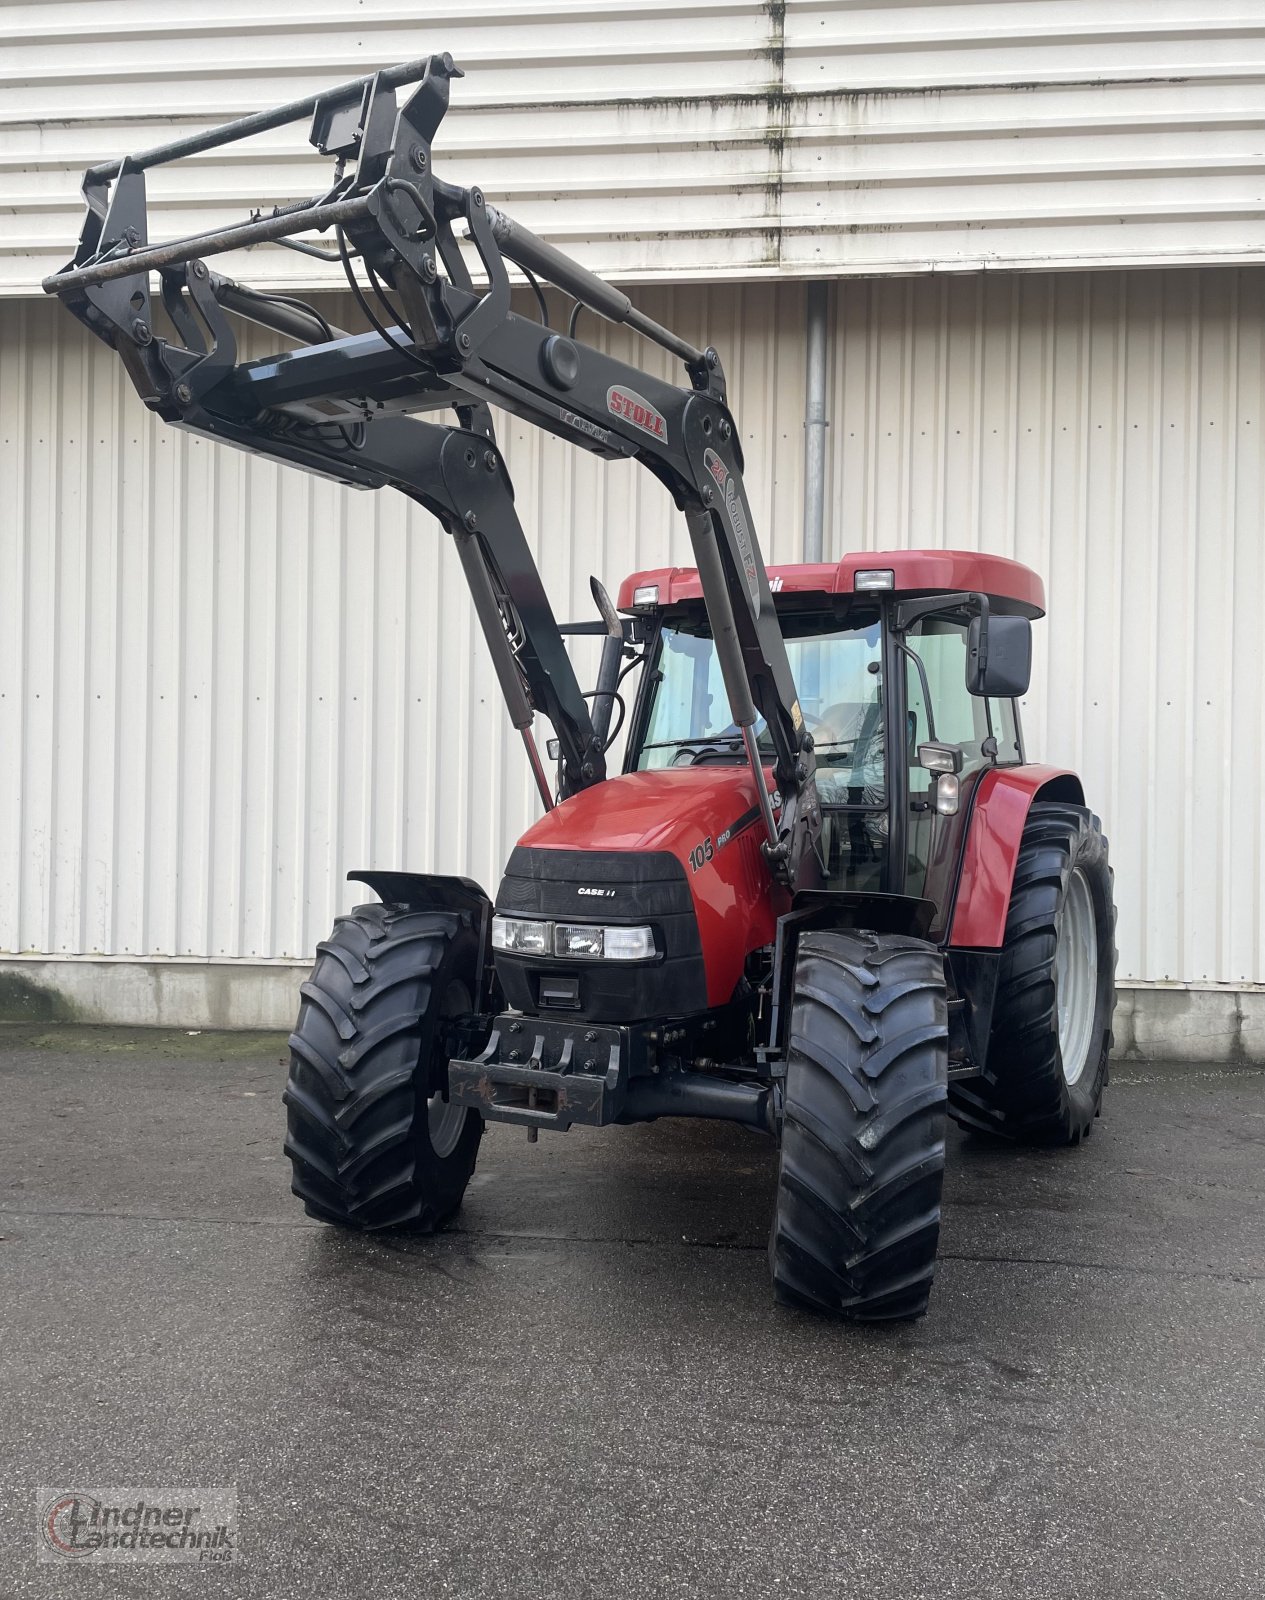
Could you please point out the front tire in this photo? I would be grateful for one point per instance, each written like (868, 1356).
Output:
(1047, 1062)
(373, 1141)
(857, 1218)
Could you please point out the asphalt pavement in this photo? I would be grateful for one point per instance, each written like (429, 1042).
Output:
(584, 1388)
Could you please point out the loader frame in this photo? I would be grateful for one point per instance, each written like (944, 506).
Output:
(352, 406)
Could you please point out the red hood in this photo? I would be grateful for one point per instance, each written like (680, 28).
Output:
(709, 819)
(659, 810)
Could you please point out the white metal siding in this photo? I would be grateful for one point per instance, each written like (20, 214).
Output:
(222, 683)
(678, 138)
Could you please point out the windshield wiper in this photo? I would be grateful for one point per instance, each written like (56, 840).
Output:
(700, 738)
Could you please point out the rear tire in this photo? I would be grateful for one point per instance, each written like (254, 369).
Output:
(373, 1141)
(1044, 1075)
(857, 1218)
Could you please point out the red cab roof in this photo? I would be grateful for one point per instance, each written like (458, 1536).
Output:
(913, 571)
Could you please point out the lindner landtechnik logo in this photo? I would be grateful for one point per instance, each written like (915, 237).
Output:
(94, 1526)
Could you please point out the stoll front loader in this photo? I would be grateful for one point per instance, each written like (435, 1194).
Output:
(826, 896)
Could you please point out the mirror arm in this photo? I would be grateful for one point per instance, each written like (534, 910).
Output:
(979, 667)
(910, 611)
(926, 687)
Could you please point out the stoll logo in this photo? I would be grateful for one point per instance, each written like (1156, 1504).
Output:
(632, 408)
(133, 1525)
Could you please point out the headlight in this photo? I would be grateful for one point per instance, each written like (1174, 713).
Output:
(524, 937)
(577, 939)
(573, 941)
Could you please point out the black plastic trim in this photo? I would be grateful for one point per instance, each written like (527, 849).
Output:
(973, 976)
(633, 888)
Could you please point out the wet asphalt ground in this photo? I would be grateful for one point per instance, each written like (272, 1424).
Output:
(584, 1388)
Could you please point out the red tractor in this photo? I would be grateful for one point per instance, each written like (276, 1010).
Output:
(826, 896)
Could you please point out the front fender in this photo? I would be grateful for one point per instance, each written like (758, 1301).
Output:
(438, 891)
(1002, 801)
(425, 891)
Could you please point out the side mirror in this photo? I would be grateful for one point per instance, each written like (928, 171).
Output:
(999, 656)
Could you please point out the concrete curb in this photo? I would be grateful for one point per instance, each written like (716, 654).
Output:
(178, 992)
(1153, 1022)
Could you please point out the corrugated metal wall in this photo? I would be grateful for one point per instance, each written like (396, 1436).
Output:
(222, 684)
(662, 138)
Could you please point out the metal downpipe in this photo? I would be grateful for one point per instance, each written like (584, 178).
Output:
(817, 304)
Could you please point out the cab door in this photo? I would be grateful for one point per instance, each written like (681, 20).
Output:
(939, 710)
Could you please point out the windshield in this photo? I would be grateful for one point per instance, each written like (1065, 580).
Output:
(837, 675)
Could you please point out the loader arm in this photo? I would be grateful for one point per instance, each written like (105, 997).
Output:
(353, 406)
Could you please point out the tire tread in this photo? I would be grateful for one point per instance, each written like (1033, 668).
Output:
(360, 1071)
(857, 1219)
(1021, 1094)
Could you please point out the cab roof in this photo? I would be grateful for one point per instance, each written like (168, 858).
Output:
(1017, 587)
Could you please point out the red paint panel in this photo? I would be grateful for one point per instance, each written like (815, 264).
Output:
(678, 810)
(913, 571)
(992, 849)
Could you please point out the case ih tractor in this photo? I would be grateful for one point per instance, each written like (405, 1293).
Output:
(826, 896)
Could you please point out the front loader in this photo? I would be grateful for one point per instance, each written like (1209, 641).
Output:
(826, 896)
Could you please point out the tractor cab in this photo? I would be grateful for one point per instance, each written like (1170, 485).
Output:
(881, 652)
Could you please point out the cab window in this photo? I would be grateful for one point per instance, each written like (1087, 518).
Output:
(953, 716)
(837, 675)
(1006, 732)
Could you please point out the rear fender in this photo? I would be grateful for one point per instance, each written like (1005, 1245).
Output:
(1003, 799)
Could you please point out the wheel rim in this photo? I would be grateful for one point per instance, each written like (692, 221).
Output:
(445, 1120)
(1076, 975)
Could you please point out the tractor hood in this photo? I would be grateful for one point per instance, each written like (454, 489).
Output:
(673, 809)
(679, 848)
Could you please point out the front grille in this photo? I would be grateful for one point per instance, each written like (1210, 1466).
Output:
(632, 887)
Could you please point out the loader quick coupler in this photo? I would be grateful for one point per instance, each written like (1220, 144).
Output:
(541, 1073)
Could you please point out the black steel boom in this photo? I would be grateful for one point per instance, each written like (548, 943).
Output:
(351, 406)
